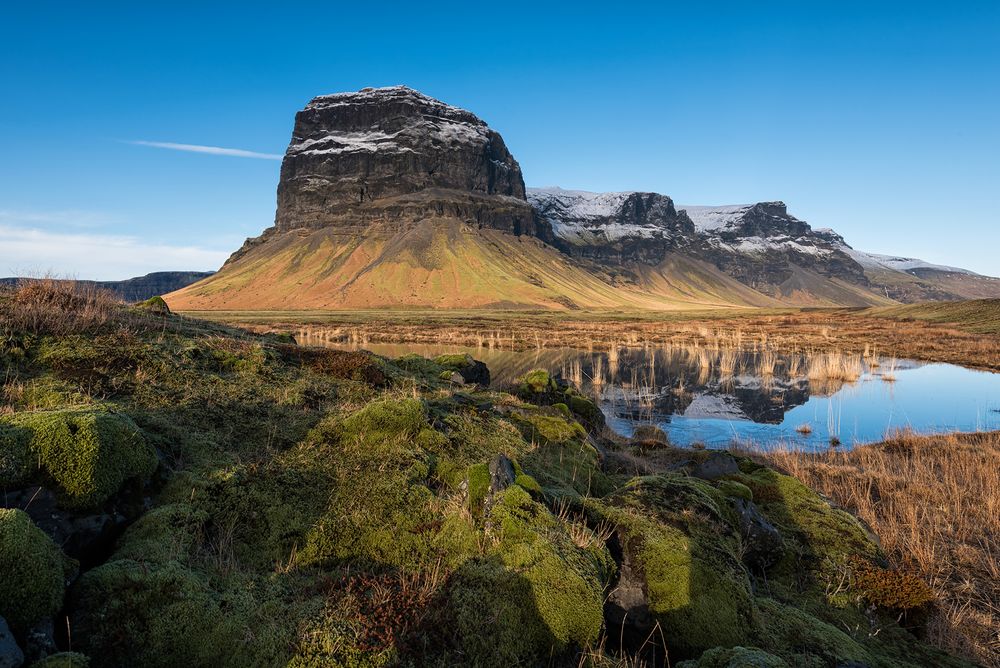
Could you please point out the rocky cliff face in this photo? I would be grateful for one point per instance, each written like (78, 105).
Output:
(760, 244)
(394, 155)
(613, 227)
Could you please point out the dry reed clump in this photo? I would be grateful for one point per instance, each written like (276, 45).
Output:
(835, 366)
(976, 343)
(934, 502)
(58, 307)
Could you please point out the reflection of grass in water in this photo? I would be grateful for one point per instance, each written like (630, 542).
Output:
(889, 375)
(767, 360)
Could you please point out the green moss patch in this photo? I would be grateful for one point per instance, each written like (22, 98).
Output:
(17, 463)
(675, 531)
(89, 453)
(537, 592)
(33, 571)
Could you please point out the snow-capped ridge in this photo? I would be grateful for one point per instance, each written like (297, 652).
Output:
(898, 263)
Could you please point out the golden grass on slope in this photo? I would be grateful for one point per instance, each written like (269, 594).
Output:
(934, 502)
(441, 263)
(981, 316)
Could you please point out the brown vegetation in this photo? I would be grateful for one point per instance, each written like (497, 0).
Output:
(58, 307)
(934, 502)
(974, 341)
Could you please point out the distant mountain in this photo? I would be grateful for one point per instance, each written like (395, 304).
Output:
(139, 288)
(389, 198)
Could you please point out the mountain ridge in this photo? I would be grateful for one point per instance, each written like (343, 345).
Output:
(389, 198)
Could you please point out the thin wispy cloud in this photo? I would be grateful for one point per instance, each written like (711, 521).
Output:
(26, 251)
(62, 218)
(212, 150)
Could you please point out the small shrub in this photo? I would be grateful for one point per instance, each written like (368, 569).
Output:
(889, 589)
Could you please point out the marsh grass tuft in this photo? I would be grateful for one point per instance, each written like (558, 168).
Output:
(934, 502)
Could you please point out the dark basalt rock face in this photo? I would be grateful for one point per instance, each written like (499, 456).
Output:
(761, 245)
(394, 155)
(613, 227)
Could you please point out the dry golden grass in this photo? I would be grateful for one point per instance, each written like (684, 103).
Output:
(805, 332)
(58, 307)
(934, 502)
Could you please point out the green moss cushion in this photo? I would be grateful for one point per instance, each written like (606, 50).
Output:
(89, 453)
(32, 571)
(16, 461)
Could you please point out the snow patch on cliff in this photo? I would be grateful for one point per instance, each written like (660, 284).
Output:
(897, 263)
(581, 217)
(710, 218)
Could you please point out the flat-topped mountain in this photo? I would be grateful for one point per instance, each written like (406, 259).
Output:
(390, 198)
(394, 152)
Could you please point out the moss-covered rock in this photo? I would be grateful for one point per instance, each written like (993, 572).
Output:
(735, 490)
(537, 592)
(540, 388)
(89, 453)
(821, 539)
(455, 360)
(63, 660)
(138, 614)
(677, 535)
(33, 571)
(804, 640)
(735, 657)
(154, 305)
(17, 464)
(538, 382)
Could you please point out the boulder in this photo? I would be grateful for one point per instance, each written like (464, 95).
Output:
(716, 465)
(762, 544)
(502, 474)
(11, 655)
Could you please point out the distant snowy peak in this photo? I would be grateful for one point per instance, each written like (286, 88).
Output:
(577, 205)
(897, 263)
(580, 218)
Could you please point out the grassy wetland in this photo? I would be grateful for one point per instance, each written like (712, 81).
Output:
(185, 492)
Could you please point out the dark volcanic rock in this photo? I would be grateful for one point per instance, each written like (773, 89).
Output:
(761, 540)
(760, 245)
(396, 155)
(613, 227)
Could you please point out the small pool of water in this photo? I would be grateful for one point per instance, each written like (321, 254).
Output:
(712, 397)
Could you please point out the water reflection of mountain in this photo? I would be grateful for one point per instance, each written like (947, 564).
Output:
(653, 384)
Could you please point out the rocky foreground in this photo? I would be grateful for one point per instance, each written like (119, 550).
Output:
(177, 493)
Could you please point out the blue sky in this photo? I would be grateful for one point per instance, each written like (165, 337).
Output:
(879, 119)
